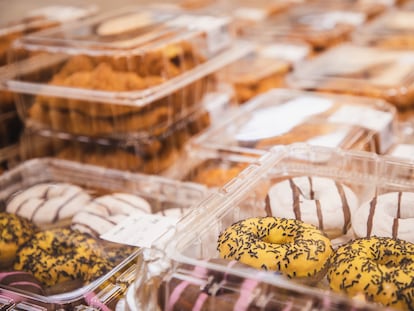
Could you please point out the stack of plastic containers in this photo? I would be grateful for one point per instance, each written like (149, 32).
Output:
(362, 70)
(65, 213)
(318, 23)
(122, 90)
(191, 273)
(13, 27)
(265, 68)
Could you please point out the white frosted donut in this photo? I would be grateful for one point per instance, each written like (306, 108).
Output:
(105, 212)
(322, 202)
(48, 203)
(387, 215)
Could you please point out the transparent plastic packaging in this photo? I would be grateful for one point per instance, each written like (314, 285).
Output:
(149, 154)
(283, 116)
(111, 188)
(392, 30)
(263, 69)
(134, 70)
(361, 70)
(189, 271)
(320, 24)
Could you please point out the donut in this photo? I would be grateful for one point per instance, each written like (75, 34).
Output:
(322, 202)
(14, 232)
(59, 255)
(290, 246)
(387, 215)
(380, 268)
(21, 280)
(104, 212)
(48, 203)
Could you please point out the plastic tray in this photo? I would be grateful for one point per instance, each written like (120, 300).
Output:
(162, 194)
(365, 71)
(190, 262)
(137, 69)
(320, 24)
(284, 116)
(263, 69)
(149, 154)
(393, 30)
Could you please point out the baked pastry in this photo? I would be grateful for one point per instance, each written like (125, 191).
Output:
(96, 118)
(379, 268)
(15, 231)
(214, 176)
(224, 291)
(289, 246)
(250, 77)
(322, 202)
(386, 215)
(45, 204)
(105, 212)
(148, 155)
(60, 255)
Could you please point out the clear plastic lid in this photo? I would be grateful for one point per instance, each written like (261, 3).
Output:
(190, 271)
(320, 24)
(149, 154)
(284, 116)
(132, 70)
(393, 30)
(60, 211)
(366, 71)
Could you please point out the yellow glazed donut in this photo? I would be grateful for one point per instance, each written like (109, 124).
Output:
(380, 268)
(388, 215)
(15, 231)
(322, 202)
(59, 255)
(289, 246)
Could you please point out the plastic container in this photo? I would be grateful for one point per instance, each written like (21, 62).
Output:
(149, 154)
(393, 30)
(283, 116)
(135, 70)
(16, 25)
(188, 272)
(364, 71)
(320, 24)
(263, 69)
(99, 293)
